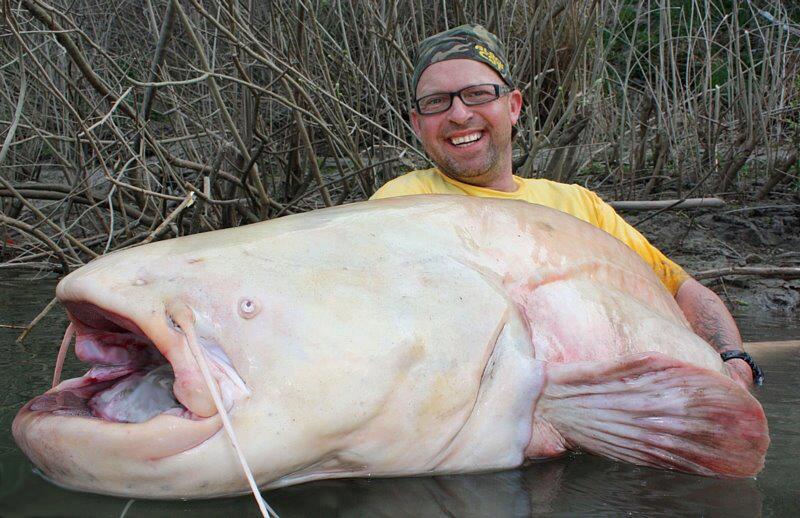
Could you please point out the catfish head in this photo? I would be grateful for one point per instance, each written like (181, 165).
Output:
(143, 422)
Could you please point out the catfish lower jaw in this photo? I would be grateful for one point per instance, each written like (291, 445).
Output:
(161, 437)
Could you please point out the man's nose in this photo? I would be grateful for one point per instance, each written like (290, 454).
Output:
(459, 112)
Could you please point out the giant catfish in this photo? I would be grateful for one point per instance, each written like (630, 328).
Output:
(407, 336)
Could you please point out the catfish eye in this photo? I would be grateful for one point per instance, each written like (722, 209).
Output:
(248, 308)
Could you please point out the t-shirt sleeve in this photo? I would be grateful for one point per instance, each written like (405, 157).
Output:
(405, 185)
(668, 271)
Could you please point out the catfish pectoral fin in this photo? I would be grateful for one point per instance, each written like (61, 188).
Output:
(650, 409)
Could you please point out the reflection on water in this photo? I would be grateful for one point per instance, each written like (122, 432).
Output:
(578, 485)
(582, 484)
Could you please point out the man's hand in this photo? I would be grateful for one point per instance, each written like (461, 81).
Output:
(713, 323)
(740, 372)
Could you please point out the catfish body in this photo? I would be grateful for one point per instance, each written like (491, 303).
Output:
(405, 336)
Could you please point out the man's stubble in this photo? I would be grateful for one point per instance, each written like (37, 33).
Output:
(452, 168)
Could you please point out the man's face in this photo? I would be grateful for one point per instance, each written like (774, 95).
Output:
(485, 159)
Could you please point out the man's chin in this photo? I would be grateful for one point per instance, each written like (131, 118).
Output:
(468, 169)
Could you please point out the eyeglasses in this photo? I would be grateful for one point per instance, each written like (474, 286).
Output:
(470, 96)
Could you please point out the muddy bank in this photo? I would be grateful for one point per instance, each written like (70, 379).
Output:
(743, 233)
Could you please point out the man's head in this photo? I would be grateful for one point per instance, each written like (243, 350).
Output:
(468, 142)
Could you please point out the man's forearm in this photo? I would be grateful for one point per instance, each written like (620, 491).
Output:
(709, 317)
(712, 321)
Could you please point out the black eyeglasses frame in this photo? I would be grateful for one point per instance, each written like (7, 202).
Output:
(499, 91)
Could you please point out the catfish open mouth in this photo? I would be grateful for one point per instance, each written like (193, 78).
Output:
(129, 379)
(132, 380)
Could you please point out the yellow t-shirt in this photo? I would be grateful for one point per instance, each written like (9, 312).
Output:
(572, 199)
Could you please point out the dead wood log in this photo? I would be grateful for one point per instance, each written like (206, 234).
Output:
(688, 203)
(753, 271)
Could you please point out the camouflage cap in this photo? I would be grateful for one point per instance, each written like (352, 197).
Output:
(463, 42)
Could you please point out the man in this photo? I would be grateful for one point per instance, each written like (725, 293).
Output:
(464, 112)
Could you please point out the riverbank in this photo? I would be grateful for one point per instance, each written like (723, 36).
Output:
(745, 233)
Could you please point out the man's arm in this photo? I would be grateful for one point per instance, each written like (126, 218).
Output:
(711, 321)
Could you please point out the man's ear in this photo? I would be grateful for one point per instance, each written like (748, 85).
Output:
(415, 122)
(515, 105)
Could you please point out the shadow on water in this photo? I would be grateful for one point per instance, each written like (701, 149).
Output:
(574, 485)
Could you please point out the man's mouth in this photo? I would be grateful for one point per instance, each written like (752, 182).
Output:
(466, 140)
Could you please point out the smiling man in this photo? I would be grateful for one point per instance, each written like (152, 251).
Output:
(464, 113)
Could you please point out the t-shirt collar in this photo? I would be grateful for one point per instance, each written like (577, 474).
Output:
(493, 192)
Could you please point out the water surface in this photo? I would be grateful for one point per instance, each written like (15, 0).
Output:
(575, 485)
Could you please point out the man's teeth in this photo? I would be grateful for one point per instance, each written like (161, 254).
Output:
(466, 139)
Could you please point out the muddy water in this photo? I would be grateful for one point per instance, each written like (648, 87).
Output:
(577, 485)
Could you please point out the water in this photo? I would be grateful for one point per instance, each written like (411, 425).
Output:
(575, 485)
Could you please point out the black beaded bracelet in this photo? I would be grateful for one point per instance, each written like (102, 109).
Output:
(758, 374)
